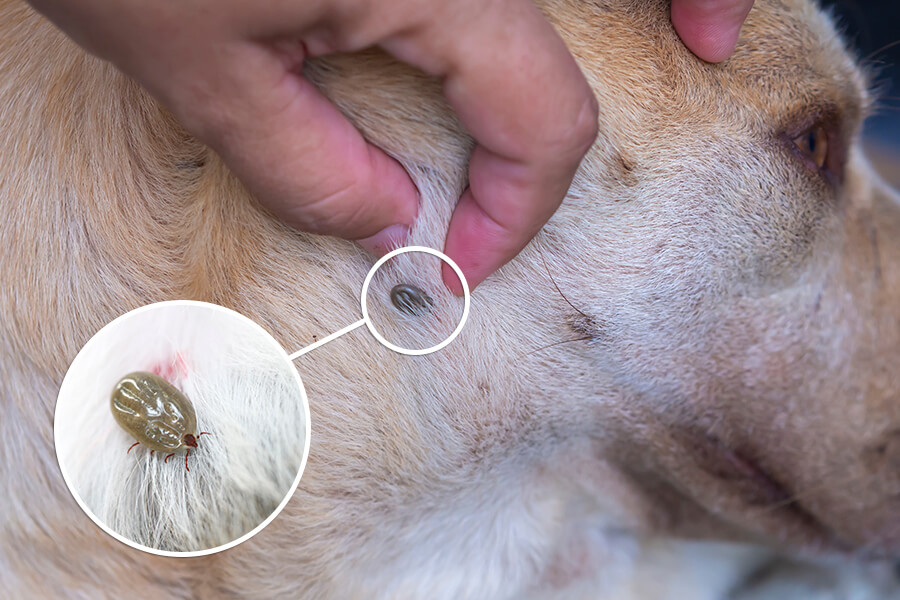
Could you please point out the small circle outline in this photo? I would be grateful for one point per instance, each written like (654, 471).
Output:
(365, 310)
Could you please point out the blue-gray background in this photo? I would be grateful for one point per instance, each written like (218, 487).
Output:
(873, 29)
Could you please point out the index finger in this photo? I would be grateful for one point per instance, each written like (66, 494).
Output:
(520, 93)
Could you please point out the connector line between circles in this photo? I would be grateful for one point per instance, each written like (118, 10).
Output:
(327, 339)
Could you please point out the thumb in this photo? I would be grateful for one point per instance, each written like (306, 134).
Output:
(710, 28)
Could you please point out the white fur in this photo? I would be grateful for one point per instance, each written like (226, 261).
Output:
(245, 394)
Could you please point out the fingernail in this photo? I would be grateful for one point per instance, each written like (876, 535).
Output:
(389, 238)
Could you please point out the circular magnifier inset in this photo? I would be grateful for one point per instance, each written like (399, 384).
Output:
(415, 351)
(182, 428)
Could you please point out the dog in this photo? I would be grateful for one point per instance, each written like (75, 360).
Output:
(700, 349)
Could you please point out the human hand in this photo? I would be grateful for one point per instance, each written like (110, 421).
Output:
(230, 71)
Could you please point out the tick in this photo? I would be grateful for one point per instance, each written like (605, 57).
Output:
(156, 414)
(410, 299)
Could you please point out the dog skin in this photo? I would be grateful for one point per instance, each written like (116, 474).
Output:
(702, 343)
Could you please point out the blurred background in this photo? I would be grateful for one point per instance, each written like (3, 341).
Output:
(873, 30)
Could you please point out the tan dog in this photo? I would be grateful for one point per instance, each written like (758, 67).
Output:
(715, 355)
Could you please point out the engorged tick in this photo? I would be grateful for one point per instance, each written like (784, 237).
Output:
(410, 299)
(156, 414)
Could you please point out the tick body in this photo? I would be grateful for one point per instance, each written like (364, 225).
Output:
(155, 413)
(410, 299)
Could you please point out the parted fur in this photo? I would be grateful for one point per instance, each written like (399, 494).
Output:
(702, 342)
(246, 397)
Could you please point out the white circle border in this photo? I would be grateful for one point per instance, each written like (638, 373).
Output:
(249, 534)
(365, 309)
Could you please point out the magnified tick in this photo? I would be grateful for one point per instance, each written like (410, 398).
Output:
(156, 414)
(410, 299)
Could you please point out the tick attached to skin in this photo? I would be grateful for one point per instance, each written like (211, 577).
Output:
(411, 300)
(156, 414)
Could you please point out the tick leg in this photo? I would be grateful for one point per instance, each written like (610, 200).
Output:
(188, 453)
(203, 433)
(132, 446)
(168, 457)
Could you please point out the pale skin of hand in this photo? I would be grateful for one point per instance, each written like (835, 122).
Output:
(230, 71)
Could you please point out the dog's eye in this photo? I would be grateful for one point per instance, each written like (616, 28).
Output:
(813, 144)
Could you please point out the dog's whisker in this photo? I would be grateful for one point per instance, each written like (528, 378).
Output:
(882, 108)
(550, 275)
(800, 495)
(878, 106)
(875, 53)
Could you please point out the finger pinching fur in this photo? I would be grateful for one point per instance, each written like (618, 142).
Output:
(702, 343)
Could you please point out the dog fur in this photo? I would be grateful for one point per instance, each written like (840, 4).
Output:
(702, 343)
(246, 397)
